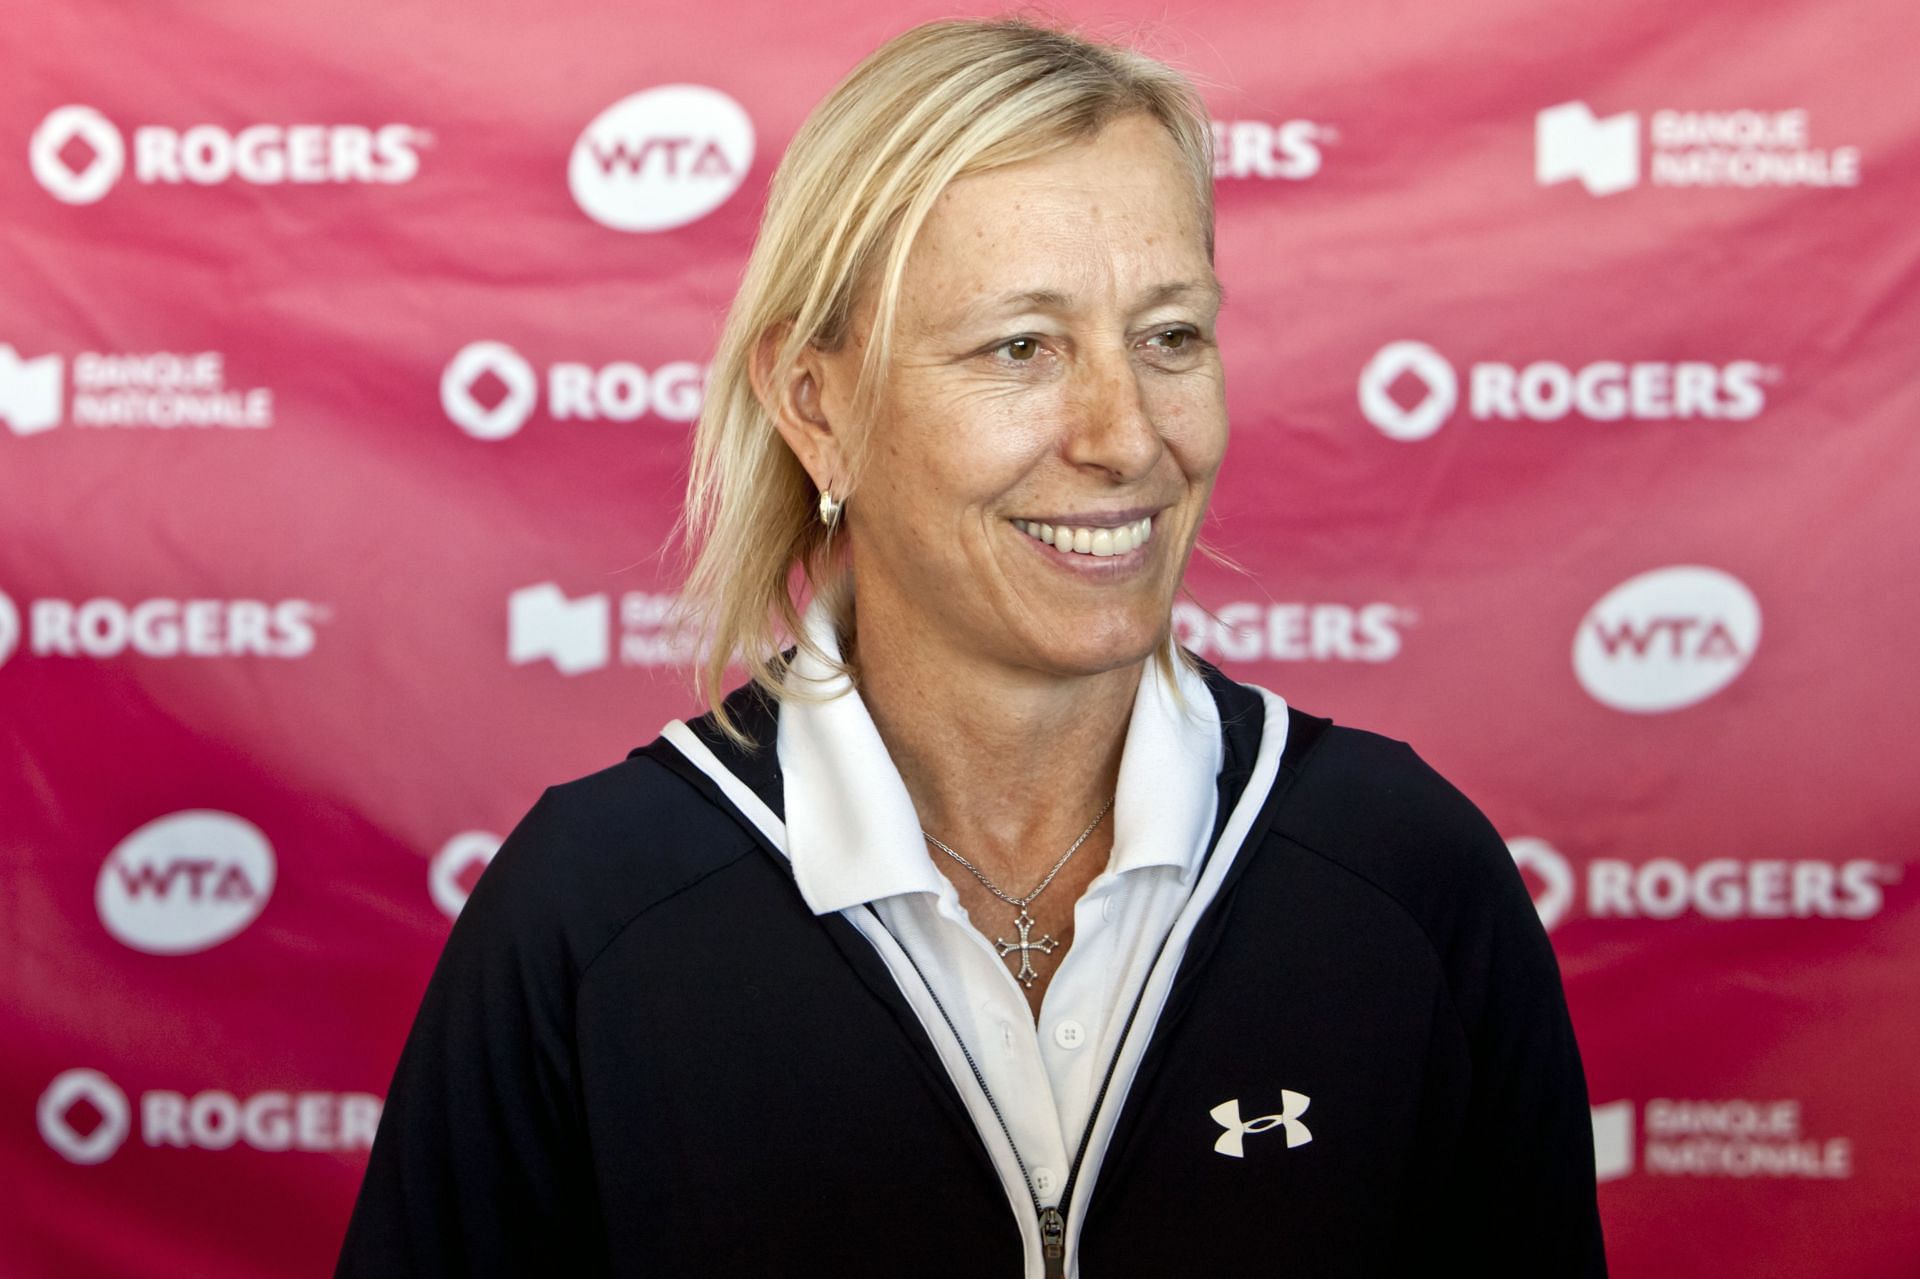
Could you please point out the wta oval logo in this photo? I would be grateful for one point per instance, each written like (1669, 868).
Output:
(1666, 639)
(661, 158)
(185, 882)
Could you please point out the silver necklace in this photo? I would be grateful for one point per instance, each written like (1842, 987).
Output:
(1023, 921)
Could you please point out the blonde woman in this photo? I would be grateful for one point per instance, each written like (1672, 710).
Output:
(984, 932)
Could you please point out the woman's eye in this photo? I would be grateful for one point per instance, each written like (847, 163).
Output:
(1021, 349)
(1179, 338)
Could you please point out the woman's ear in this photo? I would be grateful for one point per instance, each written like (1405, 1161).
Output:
(795, 404)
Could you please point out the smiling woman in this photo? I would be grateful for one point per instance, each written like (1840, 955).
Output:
(983, 930)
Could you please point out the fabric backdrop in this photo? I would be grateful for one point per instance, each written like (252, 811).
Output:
(347, 358)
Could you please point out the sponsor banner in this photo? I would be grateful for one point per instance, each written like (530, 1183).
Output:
(1741, 148)
(162, 628)
(86, 1118)
(489, 390)
(78, 155)
(1409, 390)
(1289, 150)
(1244, 631)
(161, 389)
(1572, 443)
(1734, 1138)
(577, 635)
(661, 158)
(1666, 639)
(1714, 888)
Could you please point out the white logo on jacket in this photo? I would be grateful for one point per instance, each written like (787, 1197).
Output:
(1227, 1115)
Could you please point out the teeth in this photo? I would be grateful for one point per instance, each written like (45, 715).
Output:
(1101, 543)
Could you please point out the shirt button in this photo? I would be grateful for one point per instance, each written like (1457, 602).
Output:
(1006, 1033)
(1109, 909)
(1069, 1034)
(1043, 1181)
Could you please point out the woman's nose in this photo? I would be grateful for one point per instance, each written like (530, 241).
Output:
(1110, 421)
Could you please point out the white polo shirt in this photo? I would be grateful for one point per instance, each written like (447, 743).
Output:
(854, 838)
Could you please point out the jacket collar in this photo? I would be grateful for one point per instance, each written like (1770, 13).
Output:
(853, 835)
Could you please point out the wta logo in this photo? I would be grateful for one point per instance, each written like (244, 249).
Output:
(1409, 391)
(78, 155)
(185, 882)
(1666, 639)
(661, 158)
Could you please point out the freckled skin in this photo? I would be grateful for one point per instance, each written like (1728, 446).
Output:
(1001, 683)
(965, 444)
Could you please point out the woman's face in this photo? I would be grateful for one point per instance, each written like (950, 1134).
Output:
(1055, 375)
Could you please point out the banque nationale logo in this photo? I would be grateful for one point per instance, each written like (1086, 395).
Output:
(1721, 1137)
(78, 155)
(1409, 390)
(167, 390)
(577, 635)
(1744, 148)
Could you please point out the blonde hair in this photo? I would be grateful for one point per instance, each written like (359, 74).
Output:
(941, 101)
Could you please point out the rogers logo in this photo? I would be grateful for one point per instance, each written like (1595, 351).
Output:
(1718, 888)
(210, 1120)
(1409, 390)
(9, 628)
(489, 390)
(661, 158)
(78, 155)
(1290, 151)
(165, 628)
(1422, 415)
(56, 1113)
(1247, 632)
(457, 867)
(185, 882)
(1666, 639)
(1550, 871)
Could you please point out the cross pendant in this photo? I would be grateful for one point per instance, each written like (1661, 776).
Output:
(1045, 946)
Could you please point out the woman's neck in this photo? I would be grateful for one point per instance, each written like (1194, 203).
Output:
(1007, 765)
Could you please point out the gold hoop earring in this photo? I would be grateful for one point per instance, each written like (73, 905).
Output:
(830, 509)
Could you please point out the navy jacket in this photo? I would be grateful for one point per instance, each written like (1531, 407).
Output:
(640, 1054)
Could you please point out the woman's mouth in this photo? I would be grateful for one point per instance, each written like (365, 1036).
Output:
(1101, 543)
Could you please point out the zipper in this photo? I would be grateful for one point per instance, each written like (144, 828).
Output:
(1053, 1241)
(1053, 1220)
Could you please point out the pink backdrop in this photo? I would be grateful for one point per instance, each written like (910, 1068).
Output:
(346, 358)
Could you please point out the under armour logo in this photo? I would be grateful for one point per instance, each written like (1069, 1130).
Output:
(1227, 1115)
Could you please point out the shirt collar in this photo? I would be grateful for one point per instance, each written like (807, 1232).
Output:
(853, 835)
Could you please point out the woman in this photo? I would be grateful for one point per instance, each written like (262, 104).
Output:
(984, 932)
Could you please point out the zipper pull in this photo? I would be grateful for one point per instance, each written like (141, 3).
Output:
(1053, 1240)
